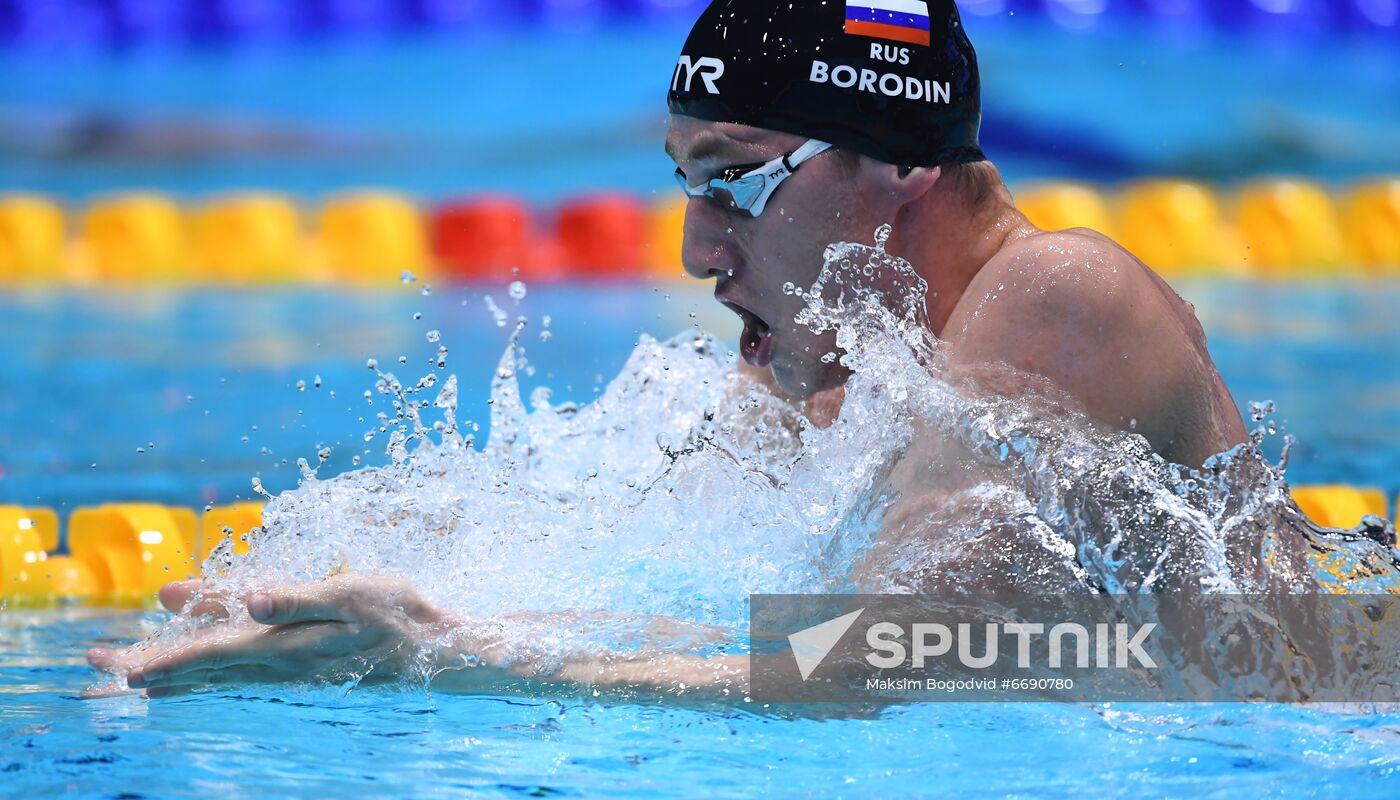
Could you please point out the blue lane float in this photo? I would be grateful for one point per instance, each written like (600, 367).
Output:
(70, 26)
(246, 21)
(53, 27)
(149, 22)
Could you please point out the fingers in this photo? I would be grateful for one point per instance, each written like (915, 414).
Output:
(322, 602)
(116, 660)
(288, 652)
(194, 599)
(176, 594)
(103, 658)
(112, 688)
(233, 676)
(181, 664)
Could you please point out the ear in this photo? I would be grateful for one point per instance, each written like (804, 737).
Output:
(903, 185)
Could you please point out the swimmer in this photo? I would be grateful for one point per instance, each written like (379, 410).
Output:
(796, 123)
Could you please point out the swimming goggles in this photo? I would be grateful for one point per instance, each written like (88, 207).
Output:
(747, 187)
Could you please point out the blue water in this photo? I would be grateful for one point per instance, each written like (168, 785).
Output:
(381, 744)
(552, 114)
(92, 378)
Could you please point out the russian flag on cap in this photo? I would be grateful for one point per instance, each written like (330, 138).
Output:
(899, 20)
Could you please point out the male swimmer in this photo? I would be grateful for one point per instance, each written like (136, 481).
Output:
(794, 124)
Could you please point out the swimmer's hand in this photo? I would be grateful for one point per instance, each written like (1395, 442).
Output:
(349, 626)
(378, 629)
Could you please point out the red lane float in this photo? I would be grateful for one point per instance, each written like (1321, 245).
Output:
(482, 238)
(603, 235)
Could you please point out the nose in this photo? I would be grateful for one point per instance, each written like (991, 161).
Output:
(708, 248)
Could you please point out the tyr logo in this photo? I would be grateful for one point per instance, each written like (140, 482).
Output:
(709, 70)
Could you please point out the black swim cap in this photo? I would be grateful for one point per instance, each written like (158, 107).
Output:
(893, 79)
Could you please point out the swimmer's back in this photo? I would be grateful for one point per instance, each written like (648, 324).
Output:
(1079, 310)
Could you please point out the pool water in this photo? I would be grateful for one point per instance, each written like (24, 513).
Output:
(442, 117)
(381, 743)
(185, 377)
(92, 379)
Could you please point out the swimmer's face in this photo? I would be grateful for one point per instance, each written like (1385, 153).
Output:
(830, 198)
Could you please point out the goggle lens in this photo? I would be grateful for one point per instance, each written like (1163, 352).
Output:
(740, 194)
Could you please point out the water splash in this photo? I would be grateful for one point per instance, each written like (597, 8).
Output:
(685, 487)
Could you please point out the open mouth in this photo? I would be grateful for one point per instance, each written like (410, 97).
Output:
(756, 342)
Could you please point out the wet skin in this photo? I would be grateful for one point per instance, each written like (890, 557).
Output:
(1070, 309)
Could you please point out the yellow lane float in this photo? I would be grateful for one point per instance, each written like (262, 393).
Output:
(248, 237)
(136, 238)
(1173, 226)
(1274, 228)
(222, 522)
(22, 554)
(1339, 506)
(31, 238)
(373, 237)
(1289, 228)
(666, 233)
(1057, 206)
(1373, 226)
(133, 549)
(122, 553)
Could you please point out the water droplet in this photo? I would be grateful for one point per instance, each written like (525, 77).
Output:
(517, 290)
(497, 314)
(433, 336)
(882, 235)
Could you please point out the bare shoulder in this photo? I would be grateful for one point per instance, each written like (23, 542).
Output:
(1067, 278)
(1077, 309)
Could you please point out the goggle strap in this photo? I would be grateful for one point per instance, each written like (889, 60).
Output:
(812, 147)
